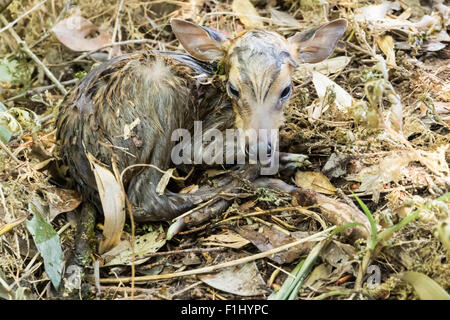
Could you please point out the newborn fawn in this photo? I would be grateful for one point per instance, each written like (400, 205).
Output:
(127, 110)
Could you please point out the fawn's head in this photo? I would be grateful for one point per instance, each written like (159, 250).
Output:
(259, 65)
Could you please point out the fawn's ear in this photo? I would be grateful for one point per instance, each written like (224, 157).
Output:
(203, 43)
(315, 45)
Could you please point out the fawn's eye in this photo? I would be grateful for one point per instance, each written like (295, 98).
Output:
(233, 91)
(286, 92)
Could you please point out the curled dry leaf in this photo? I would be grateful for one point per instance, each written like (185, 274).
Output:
(73, 32)
(11, 225)
(62, 200)
(247, 14)
(228, 239)
(335, 212)
(315, 181)
(314, 11)
(243, 280)
(321, 82)
(113, 204)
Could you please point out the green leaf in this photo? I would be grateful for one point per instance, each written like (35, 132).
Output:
(306, 269)
(286, 288)
(5, 74)
(373, 225)
(2, 106)
(293, 284)
(425, 287)
(48, 243)
(5, 134)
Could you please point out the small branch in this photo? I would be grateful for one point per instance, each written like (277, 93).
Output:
(40, 89)
(116, 28)
(34, 57)
(315, 237)
(84, 55)
(8, 152)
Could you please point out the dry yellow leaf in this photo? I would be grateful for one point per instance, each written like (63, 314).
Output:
(113, 204)
(247, 14)
(386, 45)
(9, 226)
(229, 240)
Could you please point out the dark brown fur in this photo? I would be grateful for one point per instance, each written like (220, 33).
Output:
(93, 117)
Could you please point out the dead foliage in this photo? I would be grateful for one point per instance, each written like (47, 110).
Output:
(374, 120)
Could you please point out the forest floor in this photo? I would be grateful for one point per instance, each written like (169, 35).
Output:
(373, 120)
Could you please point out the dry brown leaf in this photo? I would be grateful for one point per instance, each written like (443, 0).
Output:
(11, 225)
(247, 14)
(113, 204)
(336, 212)
(73, 32)
(314, 181)
(42, 164)
(189, 189)
(62, 200)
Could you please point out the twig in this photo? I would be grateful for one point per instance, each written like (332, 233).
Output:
(318, 236)
(8, 152)
(40, 89)
(84, 55)
(116, 28)
(34, 57)
(186, 289)
(9, 25)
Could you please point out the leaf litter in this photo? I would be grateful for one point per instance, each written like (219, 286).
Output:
(373, 119)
